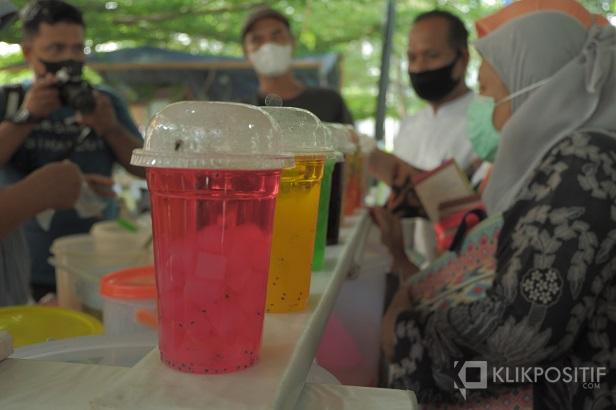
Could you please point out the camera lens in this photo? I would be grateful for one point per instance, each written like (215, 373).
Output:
(78, 95)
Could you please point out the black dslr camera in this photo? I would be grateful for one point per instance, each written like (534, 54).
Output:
(74, 91)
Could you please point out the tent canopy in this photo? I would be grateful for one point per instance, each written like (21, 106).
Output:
(142, 73)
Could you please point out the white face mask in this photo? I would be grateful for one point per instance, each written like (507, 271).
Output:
(272, 60)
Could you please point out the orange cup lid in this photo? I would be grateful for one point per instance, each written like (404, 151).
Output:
(133, 283)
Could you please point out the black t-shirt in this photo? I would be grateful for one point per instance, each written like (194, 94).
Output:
(326, 104)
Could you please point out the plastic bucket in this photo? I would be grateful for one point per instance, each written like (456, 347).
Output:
(128, 295)
(80, 265)
(110, 236)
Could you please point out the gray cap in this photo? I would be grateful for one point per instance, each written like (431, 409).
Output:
(261, 13)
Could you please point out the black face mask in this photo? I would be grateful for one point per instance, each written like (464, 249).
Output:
(434, 85)
(73, 68)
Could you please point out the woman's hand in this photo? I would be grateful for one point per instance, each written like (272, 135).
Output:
(400, 303)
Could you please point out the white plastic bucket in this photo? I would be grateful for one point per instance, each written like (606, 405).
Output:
(110, 236)
(80, 265)
(129, 301)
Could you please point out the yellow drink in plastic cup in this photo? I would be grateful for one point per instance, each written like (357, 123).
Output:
(295, 221)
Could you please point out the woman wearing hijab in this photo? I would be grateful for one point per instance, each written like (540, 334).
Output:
(549, 94)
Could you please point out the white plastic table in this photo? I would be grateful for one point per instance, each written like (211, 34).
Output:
(38, 385)
(276, 382)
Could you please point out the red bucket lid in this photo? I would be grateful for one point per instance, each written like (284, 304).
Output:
(133, 283)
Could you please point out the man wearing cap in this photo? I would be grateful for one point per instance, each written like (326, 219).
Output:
(268, 44)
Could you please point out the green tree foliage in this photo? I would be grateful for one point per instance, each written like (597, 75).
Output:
(352, 28)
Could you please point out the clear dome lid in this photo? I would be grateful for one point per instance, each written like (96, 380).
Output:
(302, 132)
(212, 135)
(342, 137)
(366, 144)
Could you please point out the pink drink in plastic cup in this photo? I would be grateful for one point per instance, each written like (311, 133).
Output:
(212, 243)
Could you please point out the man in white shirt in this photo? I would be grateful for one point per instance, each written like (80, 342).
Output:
(436, 134)
(438, 57)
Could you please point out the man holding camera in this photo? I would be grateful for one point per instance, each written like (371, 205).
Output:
(60, 117)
